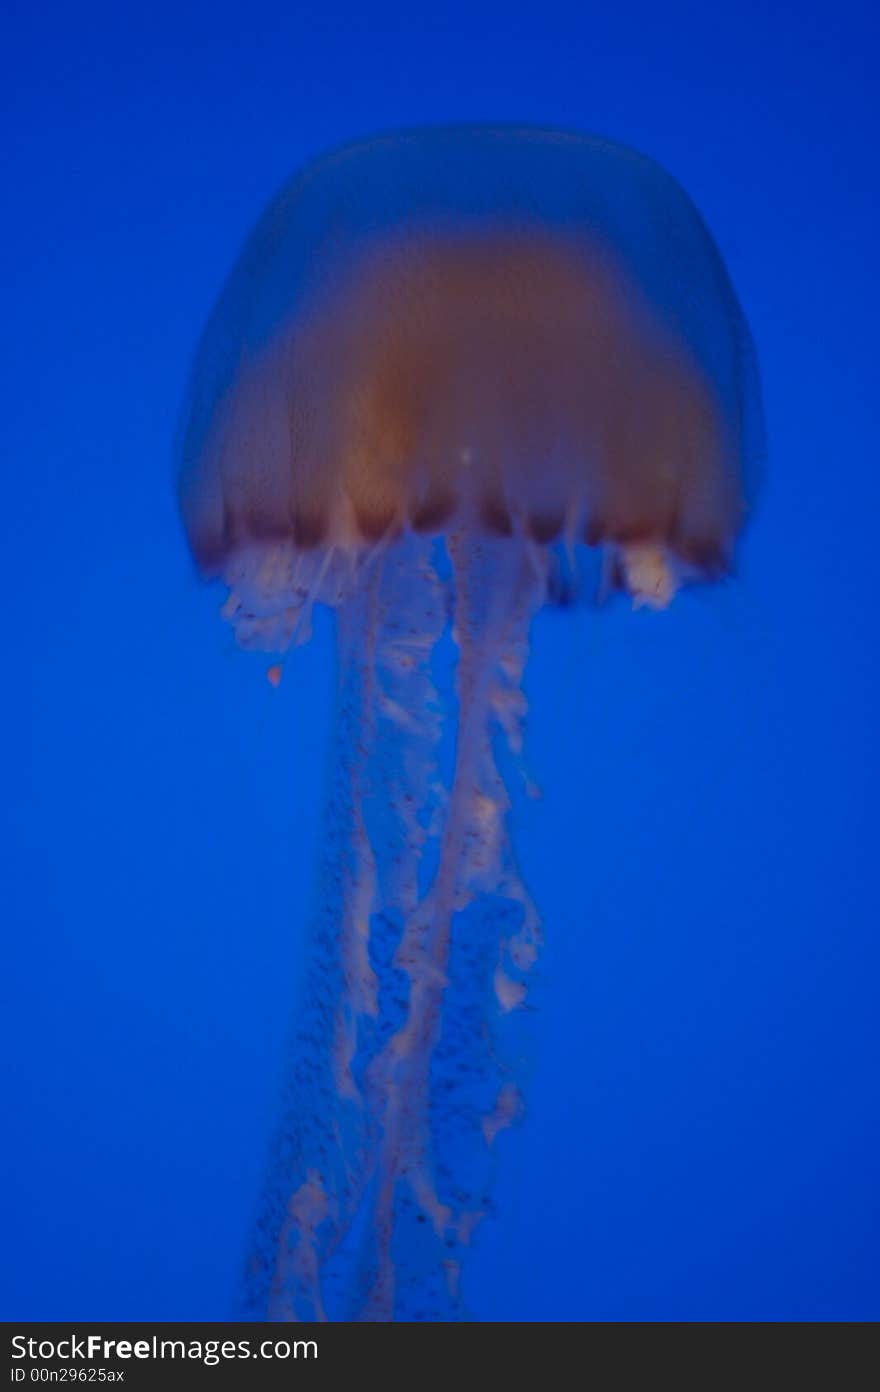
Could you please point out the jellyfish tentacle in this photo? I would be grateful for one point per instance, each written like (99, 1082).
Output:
(321, 1150)
(475, 868)
(383, 779)
(403, 804)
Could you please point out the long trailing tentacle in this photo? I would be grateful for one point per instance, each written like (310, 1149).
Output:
(439, 1086)
(387, 723)
(398, 1082)
(322, 1141)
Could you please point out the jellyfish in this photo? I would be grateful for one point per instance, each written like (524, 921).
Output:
(450, 366)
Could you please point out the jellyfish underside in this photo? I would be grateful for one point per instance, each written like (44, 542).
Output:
(414, 406)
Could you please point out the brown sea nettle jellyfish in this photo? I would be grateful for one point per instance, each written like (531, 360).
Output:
(446, 363)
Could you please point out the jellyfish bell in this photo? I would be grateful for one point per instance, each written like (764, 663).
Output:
(444, 359)
(530, 331)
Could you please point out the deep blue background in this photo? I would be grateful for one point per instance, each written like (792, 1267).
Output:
(703, 1138)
